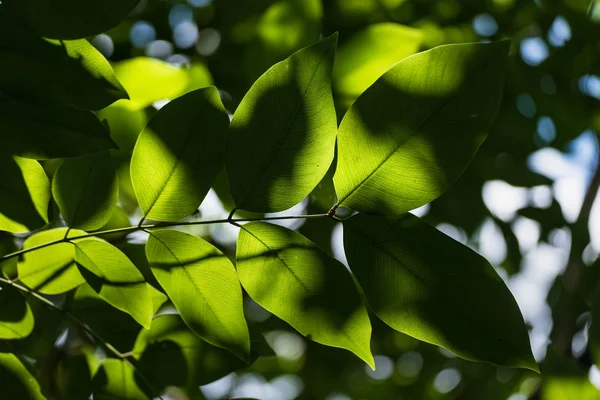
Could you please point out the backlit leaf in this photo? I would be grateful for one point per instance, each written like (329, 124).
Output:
(409, 136)
(49, 131)
(85, 189)
(68, 72)
(16, 318)
(24, 194)
(202, 284)
(369, 54)
(426, 285)
(17, 381)
(52, 269)
(114, 277)
(179, 154)
(294, 279)
(283, 132)
(116, 380)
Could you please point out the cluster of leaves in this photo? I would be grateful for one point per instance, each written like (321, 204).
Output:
(409, 132)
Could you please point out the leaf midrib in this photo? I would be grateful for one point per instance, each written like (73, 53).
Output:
(435, 110)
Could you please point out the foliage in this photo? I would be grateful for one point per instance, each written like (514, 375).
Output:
(113, 280)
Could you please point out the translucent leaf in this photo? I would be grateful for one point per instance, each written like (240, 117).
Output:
(115, 278)
(202, 284)
(49, 131)
(71, 19)
(283, 132)
(116, 380)
(413, 132)
(17, 381)
(148, 80)
(52, 269)
(16, 318)
(24, 194)
(368, 54)
(67, 72)
(179, 154)
(172, 355)
(294, 279)
(426, 285)
(86, 189)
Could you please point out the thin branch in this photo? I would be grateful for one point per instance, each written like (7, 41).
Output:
(159, 225)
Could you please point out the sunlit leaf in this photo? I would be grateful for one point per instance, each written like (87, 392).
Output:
(71, 19)
(86, 189)
(173, 355)
(285, 27)
(52, 269)
(283, 132)
(148, 80)
(16, 318)
(17, 381)
(202, 284)
(426, 285)
(8, 267)
(411, 135)
(294, 279)
(179, 154)
(368, 54)
(49, 131)
(116, 380)
(24, 194)
(118, 219)
(69, 72)
(125, 125)
(114, 277)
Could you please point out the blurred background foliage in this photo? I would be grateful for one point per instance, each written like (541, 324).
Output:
(524, 203)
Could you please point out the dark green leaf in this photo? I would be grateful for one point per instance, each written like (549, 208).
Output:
(24, 194)
(16, 318)
(49, 131)
(294, 279)
(115, 278)
(178, 156)
(283, 132)
(17, 382)
(71, 72)
(52, 269)
(415, 130)
(86, 189)
(189, 268)
(423, 283)
(71, 19)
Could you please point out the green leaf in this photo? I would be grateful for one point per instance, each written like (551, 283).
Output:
(172, 355)
(118, 219)
(283, 132)
(116, 327)
(52, 269)
(115, 278)
(202, 284)
(86, 189)
(49, 131)
(72, 19)
(16, 318)
(368, 54)
(24, 194)
(148, 80)
(426, 285)
(116, 380)
(294, 279)
(17, 381)
(179, 154)
(70, 72)
(412, 134)
(74, 374)
(285, 27)
(8, 267)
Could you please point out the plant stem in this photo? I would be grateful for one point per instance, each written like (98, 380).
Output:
(132, 229)
(67, 315)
